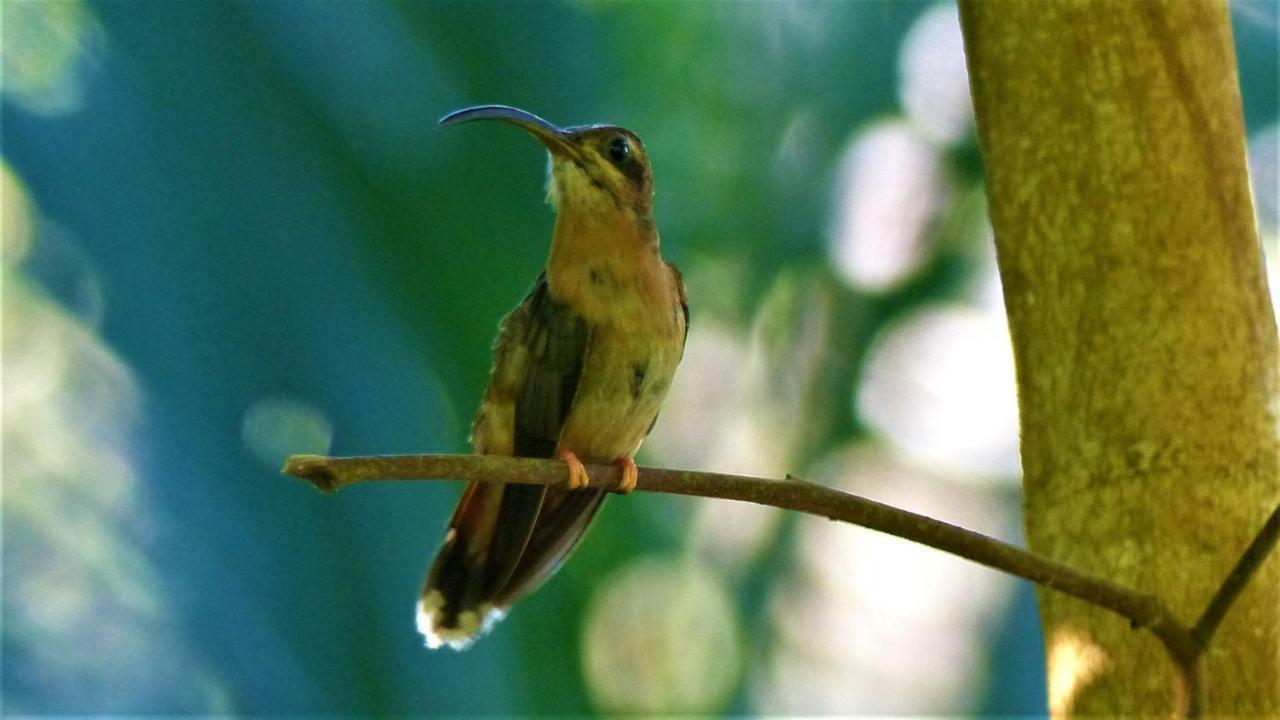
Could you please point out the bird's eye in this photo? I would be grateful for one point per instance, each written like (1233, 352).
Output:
(619, 149)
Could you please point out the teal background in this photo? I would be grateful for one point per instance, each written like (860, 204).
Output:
(254, 201)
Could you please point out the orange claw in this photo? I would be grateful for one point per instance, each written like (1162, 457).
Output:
(629, 474)
(577, 472)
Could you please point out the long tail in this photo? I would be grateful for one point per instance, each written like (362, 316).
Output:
(502, 543)
(485, 539)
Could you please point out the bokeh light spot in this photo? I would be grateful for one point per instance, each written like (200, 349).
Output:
(276, 427)
(66, 272)
(1264, 179)
(1072, 662)
(43, 48)
(751, 406)
(890, 188)
(933, 82)
(662, 637)
(940, 386)
(708, 377)
(868, 623)
(16, 219)
(87, 624)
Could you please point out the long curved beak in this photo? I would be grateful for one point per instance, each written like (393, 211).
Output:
(556, 139)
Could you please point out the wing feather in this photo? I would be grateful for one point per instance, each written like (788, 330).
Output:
(501, 532)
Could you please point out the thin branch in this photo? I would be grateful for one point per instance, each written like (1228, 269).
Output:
(1184, 646)
(1142, 610)
(1262, 545)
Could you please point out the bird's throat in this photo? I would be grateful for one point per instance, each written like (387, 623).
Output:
(601, 259)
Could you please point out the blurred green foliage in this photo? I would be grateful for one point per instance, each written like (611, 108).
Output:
(249, 206)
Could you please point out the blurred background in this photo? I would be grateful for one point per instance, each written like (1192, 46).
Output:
(231, 232)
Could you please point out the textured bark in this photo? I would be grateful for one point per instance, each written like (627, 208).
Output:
(1145, 342)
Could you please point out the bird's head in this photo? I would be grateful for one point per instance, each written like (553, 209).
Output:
(594, 168)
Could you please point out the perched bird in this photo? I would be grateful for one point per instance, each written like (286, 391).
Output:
(580, 369)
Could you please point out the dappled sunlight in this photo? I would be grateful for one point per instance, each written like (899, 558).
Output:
(46, 48)
(904, 625)
(890, 188)
(662, 636)
(83, 613)
(939, 385)
(1073, 661)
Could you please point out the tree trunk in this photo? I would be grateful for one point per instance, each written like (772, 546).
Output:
(1145, 342)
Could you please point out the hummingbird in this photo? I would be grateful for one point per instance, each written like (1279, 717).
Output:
(580, 370)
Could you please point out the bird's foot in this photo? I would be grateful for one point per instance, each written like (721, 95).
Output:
(577, 471)
(630, 473)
